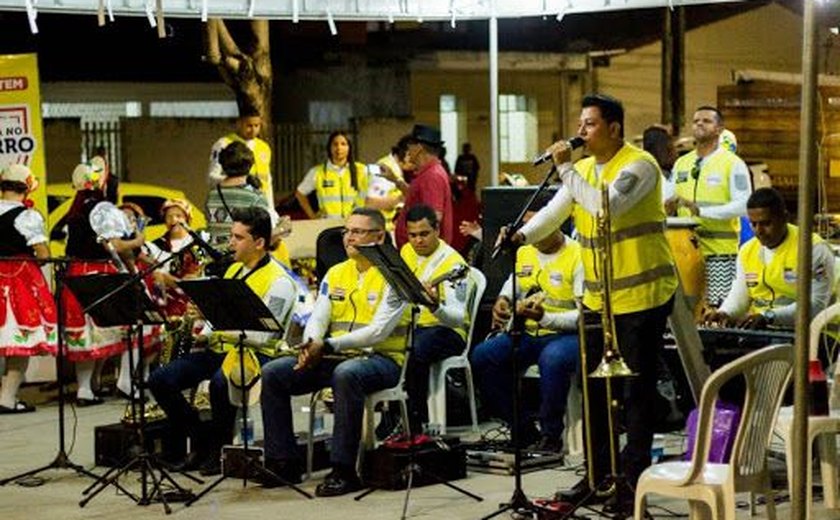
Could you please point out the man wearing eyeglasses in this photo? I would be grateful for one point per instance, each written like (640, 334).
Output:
(764, 291)
(351, 344)
(712, 184)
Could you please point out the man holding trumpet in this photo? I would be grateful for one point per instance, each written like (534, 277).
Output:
(643, 280)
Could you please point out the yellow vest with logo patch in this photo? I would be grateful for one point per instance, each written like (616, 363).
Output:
(643, 268)
(440, 262)
(354, 298)
(260, 281)
(711, 188)
(336, 196)
(555, 279)
(774, 284)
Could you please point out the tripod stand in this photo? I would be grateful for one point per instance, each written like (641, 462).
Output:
(128, 305)
(402, 280)
(62, 459)
(230, 304)
(519, 501)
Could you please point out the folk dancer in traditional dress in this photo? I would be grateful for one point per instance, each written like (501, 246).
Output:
(27, 309)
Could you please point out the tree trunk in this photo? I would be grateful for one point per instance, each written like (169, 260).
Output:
(245, 68)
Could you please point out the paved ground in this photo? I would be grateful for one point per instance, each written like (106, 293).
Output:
(30, 440)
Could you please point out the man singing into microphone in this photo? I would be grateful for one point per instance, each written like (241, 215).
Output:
(643, 278)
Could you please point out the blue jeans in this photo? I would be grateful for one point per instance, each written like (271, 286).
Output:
(351, 380)
(556, 355)
(431, 344)
(168, 382)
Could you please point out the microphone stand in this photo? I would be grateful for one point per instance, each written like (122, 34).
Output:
(519, 501)
(62, 459)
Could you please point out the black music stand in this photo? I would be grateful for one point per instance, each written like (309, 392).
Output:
(403, 281)
(519, 501)
(120, 300)
(62, 459)
(229, 304)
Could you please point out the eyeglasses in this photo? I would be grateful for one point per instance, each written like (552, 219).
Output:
(695, 170)
(356, 232)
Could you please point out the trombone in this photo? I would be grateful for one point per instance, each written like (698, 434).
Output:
(612, 363)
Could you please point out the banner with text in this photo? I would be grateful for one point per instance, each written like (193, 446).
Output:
(21, 132)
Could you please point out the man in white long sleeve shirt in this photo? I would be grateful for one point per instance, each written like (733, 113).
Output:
(712, 185)
(350, 345)
(764, 291)
(551, 272)
(643, 275)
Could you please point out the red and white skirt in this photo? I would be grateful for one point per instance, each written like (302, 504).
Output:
(27, 311)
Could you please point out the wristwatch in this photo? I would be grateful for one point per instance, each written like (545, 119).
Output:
(770, 316)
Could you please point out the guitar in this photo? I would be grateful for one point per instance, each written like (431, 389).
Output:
(456, 273)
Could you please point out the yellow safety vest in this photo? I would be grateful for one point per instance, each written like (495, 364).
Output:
(643, 268)
(440, 262)
(262, 163)
(354, 298)
(774, 284)
(260, 281)
(555, 279)
(336, 196)
(717, 237)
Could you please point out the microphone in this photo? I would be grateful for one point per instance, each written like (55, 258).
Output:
(214, 253)
(574, 143)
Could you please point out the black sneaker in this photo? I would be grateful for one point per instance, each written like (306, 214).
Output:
(338, 483)
(620, 505)
(548, 444)
(581, 494)
(283, 473)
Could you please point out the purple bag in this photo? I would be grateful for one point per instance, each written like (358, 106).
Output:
(724, 429)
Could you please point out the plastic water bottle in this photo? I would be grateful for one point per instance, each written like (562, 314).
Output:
(248, 432)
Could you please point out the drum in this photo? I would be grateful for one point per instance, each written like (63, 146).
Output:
(690, 266)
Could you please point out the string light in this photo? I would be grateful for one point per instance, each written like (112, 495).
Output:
(295, 11)
(251, 6)
(331, 23)
(204, 11)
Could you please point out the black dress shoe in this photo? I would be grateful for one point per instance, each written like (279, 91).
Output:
(192, 462)
(338, 483)
(620, 505)
(581, 494)
(548, 444)
(283, 473)
(82, 402)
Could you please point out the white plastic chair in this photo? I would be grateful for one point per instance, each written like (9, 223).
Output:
(766, 373)
(368, 441)
(821, 428)
(437, 373)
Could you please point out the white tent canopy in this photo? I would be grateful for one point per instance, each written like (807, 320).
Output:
(359, 10)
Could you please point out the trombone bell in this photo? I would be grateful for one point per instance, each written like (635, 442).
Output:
(612, 365)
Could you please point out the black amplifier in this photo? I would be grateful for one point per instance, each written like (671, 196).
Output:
(115, 444)
(436, 462)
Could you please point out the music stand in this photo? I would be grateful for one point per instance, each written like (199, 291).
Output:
(403, 281)
(229, 304)
(62, 459)
(127, 305)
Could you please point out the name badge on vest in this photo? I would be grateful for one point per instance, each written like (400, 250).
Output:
(714, 180)
(682, 176)
(337, 295)
(328, 184)
(526, 271)
(555, 279)
(371, 297)
(789, 276)
(751, 279)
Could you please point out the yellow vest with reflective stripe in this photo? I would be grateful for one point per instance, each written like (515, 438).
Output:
(774, 284)
(441, 261)
(336, 196)
(354, 298)
(643, 268)
(262, 163)
(555, 279)
(260, 281)
(717, 237)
